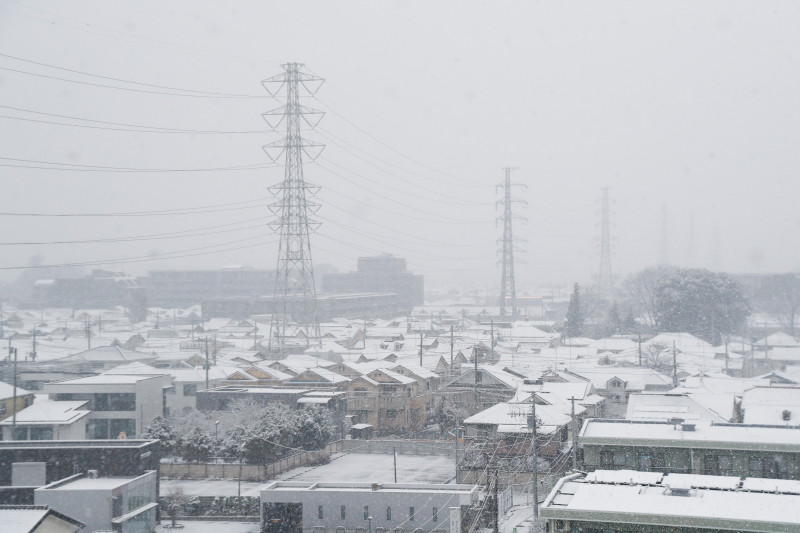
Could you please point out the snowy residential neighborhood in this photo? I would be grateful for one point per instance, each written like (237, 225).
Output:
(380, 266)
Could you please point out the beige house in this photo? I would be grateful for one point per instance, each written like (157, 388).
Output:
(387, 400)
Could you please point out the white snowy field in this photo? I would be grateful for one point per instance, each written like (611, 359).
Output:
(355, 467)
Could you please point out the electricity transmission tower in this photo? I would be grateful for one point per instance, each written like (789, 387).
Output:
(295, 298)
(605, 280)
(508, 286)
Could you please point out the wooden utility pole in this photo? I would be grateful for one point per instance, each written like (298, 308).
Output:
(640, 348)
(420, 348)
(14, 405)
(496, 503)
(451, 351)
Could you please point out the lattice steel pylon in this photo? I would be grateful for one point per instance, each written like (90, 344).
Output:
(605, 280)
(295, 299)
(508, 284)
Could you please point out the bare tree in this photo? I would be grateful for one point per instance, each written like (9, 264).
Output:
(640, 291)
(779, 295)
(175, 501)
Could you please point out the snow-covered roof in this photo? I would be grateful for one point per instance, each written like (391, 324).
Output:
(44, 411)
(672, 500)
(704, 435)
(769, 405)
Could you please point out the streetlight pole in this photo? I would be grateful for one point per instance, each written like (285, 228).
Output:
(369, 520)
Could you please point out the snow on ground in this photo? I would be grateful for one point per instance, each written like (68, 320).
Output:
(210, 487)
(378, 468)
(354, 467)
(197, 526)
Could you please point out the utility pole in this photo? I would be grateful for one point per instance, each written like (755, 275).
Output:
(33, 348)
(574, 436)
(458, 430)
(475, 356)
(492, 346)
(215, 349)
(295, 295)
(534, 453)
(496, 503)
(508, 286)
(420, 348)
(2, 327)
(640, 348)
(605, 280)
(450, 371)
(207, 365)
(88, 334)
(674, 366)
(394, 455)
(13, 351)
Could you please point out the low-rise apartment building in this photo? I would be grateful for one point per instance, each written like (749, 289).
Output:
(698, 448)
(650, 502)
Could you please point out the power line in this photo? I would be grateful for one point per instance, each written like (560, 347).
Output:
(138, 128)
(75, 167)
(152, 257)
(170, 212)
(173, 235)
(460, 181)
(105, 86)
(207, 94)
(83, 28)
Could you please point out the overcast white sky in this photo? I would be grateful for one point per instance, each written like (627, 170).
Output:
(689, 105)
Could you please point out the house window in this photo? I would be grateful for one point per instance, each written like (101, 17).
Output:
(612, 459)
(651, 461)
(190, 390)
(319, 512)
(388, 514)
(435, 514)
(411, 514)
(41, 433)
(2, 408)
(391, 413)
(360, 391)
(718, 465)
(366, 512)
(343, 512)
(478, 378)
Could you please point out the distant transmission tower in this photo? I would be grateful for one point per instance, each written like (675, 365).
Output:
(508, 285)
(295, 298)
(605, 280)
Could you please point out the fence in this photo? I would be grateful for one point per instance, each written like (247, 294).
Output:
(231, 470)
(245, 471)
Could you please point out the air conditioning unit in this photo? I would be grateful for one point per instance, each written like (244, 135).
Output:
(92, 474)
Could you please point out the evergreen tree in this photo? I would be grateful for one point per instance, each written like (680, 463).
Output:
(197, 446)
(162, 430)
(574, 321)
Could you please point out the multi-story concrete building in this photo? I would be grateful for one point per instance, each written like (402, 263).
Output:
(384, 273)
(650, 502)
(124, 504)
(183, 288)
(120, 405)
(697, 448)
(27, 465)
(329, 507)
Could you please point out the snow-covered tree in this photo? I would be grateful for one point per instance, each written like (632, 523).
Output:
(700, 302)
(161, 429)
(575, 319)
(197, 445)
